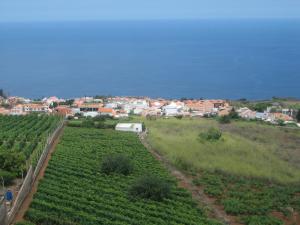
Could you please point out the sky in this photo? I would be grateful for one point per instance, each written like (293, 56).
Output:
(82, 10)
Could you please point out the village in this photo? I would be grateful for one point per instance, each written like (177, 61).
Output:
(123, 107)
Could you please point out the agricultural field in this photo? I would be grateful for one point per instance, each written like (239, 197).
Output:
(75, 190)
(249, 168)
(22, 138)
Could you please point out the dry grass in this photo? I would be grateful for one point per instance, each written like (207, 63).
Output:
(246, 148)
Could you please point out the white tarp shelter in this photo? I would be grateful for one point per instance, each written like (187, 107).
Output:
(132, 127)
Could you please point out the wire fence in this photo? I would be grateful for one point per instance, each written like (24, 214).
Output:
(7, 214)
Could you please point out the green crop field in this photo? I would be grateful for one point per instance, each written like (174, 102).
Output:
(75, 191)
(21, 140)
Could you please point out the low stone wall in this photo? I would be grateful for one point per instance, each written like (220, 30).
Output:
(7, 217)
(3, 213)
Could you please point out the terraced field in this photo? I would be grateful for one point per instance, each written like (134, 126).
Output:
(74, 191)
(22, 138)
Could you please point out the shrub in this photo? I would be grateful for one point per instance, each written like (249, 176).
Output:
(298, 116)
(224, 119)
(179, 117)
(280, 123)
(116, 164)
(150, 187)
(213, 134)
(7, 177)
(233, 114)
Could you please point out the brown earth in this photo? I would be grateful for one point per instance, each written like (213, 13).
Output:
(26, 204)
(294, 219)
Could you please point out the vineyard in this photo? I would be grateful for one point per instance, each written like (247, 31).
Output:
(75, 191)
(254, 201)
(22, 139)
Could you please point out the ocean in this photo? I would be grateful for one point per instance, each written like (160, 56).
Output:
(228, 59)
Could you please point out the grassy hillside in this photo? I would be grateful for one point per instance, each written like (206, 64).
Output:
(246, 148)
(268, 155)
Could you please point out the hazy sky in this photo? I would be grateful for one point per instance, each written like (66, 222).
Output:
(49, 10)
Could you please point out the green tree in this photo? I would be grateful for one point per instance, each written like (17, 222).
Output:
(117, 163)
(233, 114)
(12, 161)
(261, 106)
(53, 105)
(298, 116)
(224, 119)
(150, 187)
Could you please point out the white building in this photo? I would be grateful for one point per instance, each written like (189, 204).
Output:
(111, 105)
(138, 111)
(172, 109)
(91, 114)
(132, 127)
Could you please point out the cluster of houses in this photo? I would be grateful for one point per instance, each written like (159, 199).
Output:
(122, 107)
(271, 114)
(119, 107)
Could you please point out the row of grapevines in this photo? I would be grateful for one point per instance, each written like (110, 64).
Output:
(74, 191)
(20, 137)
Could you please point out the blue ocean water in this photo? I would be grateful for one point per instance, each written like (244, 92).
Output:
(254, 59)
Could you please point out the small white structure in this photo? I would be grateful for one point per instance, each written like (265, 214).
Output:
(132, 127)
(90, 114)
(172, 109)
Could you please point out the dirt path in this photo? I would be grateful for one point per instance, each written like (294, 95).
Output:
(186, 182)
(25, 205)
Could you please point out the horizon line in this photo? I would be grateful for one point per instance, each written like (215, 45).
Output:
(153, 19)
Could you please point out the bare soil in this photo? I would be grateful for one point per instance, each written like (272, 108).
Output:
(294, 219)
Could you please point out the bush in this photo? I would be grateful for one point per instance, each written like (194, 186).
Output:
(179, 117)
(116, 164)
(213, 134)
(224, 119)
(298, 116)
(233, 114)
(150, 187)
(8, 177)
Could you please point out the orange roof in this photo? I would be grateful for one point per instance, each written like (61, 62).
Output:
(63, 110)
(282, 116)
(106, 110)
